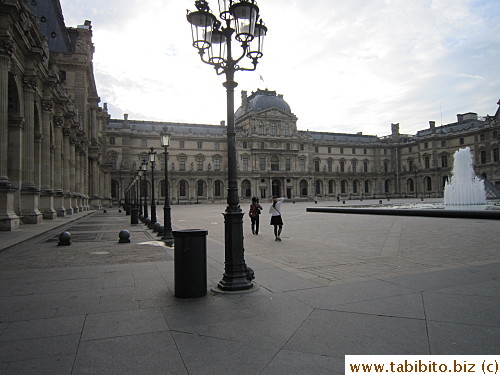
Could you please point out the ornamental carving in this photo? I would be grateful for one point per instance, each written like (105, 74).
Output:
(7, 45)
(47, 106)
(58, 121)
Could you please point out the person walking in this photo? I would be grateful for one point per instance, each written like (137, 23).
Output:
(276, 220)
(255, 209)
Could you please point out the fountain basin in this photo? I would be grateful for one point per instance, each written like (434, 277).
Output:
(450, 213)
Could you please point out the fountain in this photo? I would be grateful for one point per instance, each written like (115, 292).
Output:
(464, 197)
(464, 187)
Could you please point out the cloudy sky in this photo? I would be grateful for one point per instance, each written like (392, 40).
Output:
(342, 66)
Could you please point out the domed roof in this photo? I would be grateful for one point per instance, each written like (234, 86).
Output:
(261, 100)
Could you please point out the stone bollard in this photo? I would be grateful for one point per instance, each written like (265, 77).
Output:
(124, 236)
(160, 231)
(156, 227)
(64, 239)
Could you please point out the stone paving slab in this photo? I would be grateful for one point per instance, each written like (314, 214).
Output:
(335, 285)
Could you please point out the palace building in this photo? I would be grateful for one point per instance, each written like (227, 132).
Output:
(275, 158)
(61, 153)
(51, 124)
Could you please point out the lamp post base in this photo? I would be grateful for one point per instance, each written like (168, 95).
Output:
(236, 273)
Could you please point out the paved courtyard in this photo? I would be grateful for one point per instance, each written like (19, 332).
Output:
(337, 284)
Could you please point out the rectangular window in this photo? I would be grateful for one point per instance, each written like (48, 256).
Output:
(410, 165)
(112, 140)
(316, 165)
(365, 166)
(342, 150)
(354, 166)
(426, 145)
(245, 164)
(483, 157)
(481, 137)
(329, 150)
(316, 149)
(181, 144)
(262, 164)
(245, 144)
(462, 141)
(182, 164)
(444, 161)
(199, 164)
(365, 151)
(443, 143)
(353, 151)
(200, 145)
(427, 162)
(217, 164)
(410, 149)
(342, 166)
(496, 155)
(386, 166)
(302, 165)
(385, 151)
(217, 146)
(330, 165)
(288, 164)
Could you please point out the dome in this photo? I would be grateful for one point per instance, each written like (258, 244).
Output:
(260, 101)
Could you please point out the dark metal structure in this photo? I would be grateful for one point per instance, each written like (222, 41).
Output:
(213, 38)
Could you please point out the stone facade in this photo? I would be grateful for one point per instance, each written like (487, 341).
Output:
(50, 121)
(274, 158)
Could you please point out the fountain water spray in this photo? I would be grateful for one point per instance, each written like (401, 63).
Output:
(464, 187)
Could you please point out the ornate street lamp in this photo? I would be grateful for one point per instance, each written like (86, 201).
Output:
(213, 39)
(134, 217)
(144, 189)
(152, 159)
(168, 237)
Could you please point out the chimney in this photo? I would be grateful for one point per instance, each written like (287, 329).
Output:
(432, 126)
(280, 96)
(460, 118)
(222, 123)
(125, 116)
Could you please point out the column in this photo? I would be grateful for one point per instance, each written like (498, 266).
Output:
(72, 174)
(58, 166)
(30, 194)
(47, 167)
(8, 218)
(66, 177)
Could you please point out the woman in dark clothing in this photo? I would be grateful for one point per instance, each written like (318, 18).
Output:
(254, 213)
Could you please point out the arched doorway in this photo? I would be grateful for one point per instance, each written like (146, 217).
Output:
(246, 189)
(303, 188)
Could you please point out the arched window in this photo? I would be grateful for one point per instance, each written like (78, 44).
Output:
(428, 183)
(331, 187)
(387, 186)
(411, 185)
(183, 188)
(367, 186)
(355, 185)
(246, 188)
(218, 188)
(200, 191)
(303, 188)
(318, 187)
(343, 187)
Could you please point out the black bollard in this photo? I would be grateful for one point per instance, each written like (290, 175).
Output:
(124, 236)
(64, 239)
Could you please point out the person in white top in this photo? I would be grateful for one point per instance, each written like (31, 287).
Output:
(276, 220)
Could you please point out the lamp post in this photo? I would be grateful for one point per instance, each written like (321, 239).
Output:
(144, 189)
(152, 159)
(168, 237)
(134, 217)
(214, 43)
